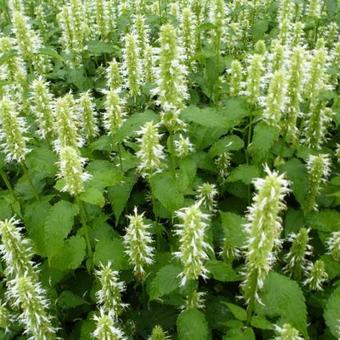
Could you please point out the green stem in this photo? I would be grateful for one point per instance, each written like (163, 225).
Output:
(83, 220)
(27, 174)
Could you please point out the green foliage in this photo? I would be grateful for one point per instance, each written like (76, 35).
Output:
(216, 122)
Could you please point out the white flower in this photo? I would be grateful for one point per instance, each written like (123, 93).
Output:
(192, 242)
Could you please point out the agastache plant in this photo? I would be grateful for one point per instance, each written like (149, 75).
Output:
(71, 170)
(25, 292)
(263, 232)
(333, 244)
(296, 258)
(193, 247)
(318, 172)
(170, 75)
(13, 131)
(106, 328)
(42, 108)
(66, 123)
(109, 295)
(235, 78)
(183, 146)
(158, 334)
(113, 77)
(316, 275)
(151, 153)
(114, 115)
(138, 243)
(131, 66)
(287, 332)
(206, 195)
(88, 116)
(28, 295)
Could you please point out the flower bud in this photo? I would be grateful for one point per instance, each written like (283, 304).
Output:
(106, 328)
(206, 196)
(183, 146)
(88, 116)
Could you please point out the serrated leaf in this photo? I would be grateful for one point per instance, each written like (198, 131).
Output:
(104, 174)
(233, 228)
(263, 140)
(42, 161)
(244, 173)
(97, 47)
(93, 196)
(68, 299)
(326, 220)
(119, 195)
(34, 217)
(165, 281)
(71, 254)
(58, 224)
(260, 323)
(133, 124)
(221, 271)
(225, 117)
(238, 312)
(111, 251)
(228, 143)
(332, 312)
(296, 172)
(192, 324)
(164, 189)
(283, 297)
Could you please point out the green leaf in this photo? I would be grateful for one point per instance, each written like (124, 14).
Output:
(42, 161)
(233, 229)
(297, 174)
(332, 312)
(34, 218)
(133, 124)
(326, 220)
(5, 209)
(119, 195)
(68, 299)
(186, 174)
(113, 251)
(93, 196)
(50, 52)
(58, 224)
(97, 47)
(283, 297)
(192, 324)
(228, 143)
(260, 323)
(238, 312)
(221, 271)
(263, 140)
(71, 254)
(244, 173)
(164, 189)
(226, 117)
(165, 281)
(104, 174)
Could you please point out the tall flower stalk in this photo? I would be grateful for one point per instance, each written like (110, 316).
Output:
(263, 232)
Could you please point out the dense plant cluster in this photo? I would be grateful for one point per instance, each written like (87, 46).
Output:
(169, 169)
